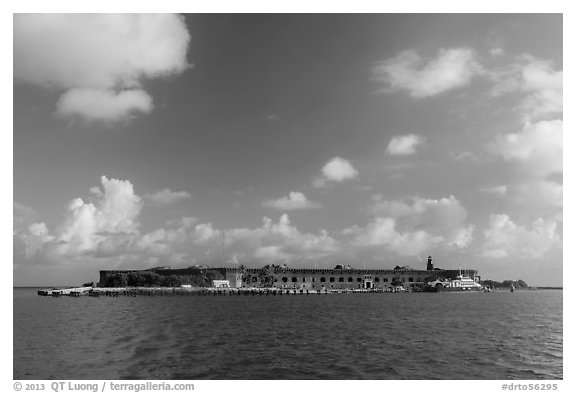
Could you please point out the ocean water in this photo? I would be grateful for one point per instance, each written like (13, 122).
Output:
(497, 335)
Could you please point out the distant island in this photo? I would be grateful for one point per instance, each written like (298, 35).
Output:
(505, 284)
(518, 284)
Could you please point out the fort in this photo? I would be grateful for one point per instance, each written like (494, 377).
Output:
(284, 277)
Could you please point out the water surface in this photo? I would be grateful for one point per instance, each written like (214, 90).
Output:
(498, 335)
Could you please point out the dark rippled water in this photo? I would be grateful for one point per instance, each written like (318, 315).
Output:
(498, 335)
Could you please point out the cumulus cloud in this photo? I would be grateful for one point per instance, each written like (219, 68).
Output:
(535, 153)
(426, 219)
(186, 222)
(336, 170)
(90, 227)
(154, 243)
(270, 254)
(412, 226)
(22, 215)
(446, 210)
(281, 241)
(37, 235)
(496, 190)
(204, 233)
(404, 144)
(99, 61)
(537, 148)
(497, 52)
(166, 197)
(504, 238)
(461, 237)
(383, 232)
(537, 79)
(420, 77)
(115, 212)
(103, 105)
(545, 87)
(108, 226)
(537, 193)
(294, 201)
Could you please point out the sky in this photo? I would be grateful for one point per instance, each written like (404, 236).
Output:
(309, 140)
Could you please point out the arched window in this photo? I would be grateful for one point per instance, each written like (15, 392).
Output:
(341, 279)
(322, 279)
(303, 279)
(254, 279)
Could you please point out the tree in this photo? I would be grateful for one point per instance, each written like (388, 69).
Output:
(521, 284)
(267, 276)
(396, 282)
(116, 280)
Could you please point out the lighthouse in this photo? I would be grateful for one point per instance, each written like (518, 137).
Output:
(430, 265)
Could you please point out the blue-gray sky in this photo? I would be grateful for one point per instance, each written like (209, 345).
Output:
(310, 140)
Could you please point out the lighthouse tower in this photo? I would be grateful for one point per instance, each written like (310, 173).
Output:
(430, 265)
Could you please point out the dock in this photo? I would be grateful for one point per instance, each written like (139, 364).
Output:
(198, 291)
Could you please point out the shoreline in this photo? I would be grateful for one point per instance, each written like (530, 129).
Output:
(246, 291)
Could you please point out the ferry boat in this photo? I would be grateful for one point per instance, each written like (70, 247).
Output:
(461, 283)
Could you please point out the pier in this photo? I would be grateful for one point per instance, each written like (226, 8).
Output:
(199, 291)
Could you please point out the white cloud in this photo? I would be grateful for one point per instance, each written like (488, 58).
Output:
(447, 210)
(294, 201)
(542, 84)
(99, 58)
(103, 105)
(205, 233)
(546, 96)
(270, 254)
(115, 212)
(529, 197)
(496, 190)
(404, 144)
(461, 237)
(537, 193)
(422, 219)
(22, 215)
(537, 148)
(186, 222)
(339, 170)
(91, 227)
(281, 241)
(166, 197)
(37, 235)
(450, 69)
(504, 238)
(497, 52)
(108, 227)
(153, 242)
(383, 232)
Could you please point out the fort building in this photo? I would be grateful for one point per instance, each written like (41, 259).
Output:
(282, 276)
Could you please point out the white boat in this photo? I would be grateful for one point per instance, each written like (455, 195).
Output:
(461, 283)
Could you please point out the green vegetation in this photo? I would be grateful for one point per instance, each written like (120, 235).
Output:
(151, 279)
(263, 279)
(504, 284)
